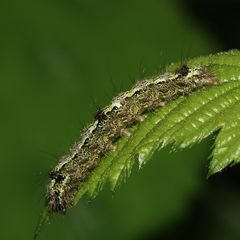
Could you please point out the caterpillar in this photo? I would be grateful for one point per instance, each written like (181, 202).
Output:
(111, 123)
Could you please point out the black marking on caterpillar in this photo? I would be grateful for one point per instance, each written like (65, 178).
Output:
(183, 70)
(99, 115)
(111, 123)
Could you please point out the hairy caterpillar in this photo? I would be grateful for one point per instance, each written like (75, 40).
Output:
(111, 123)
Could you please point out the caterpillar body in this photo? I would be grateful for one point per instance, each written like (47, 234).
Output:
(111, 123)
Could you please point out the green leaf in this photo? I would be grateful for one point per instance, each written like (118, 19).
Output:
(181, 123)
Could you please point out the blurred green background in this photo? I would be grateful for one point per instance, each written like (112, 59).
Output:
(59, 61)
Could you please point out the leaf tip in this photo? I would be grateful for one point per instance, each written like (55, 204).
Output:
(43, 220)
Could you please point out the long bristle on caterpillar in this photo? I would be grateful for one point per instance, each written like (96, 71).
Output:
(111, 123)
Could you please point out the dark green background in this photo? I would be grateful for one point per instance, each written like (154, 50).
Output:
(59, 61)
